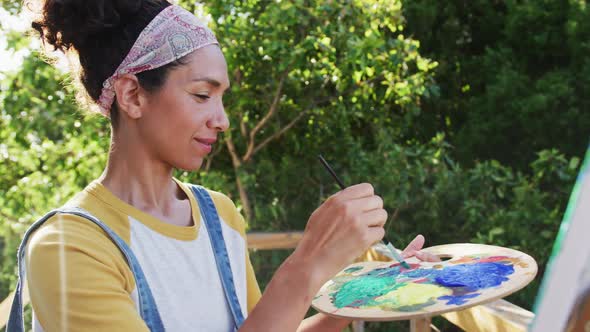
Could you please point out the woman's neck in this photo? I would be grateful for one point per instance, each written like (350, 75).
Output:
(139, 179)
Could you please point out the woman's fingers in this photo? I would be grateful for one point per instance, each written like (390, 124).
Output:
(415, 245)
(374, 218)
(368, 203)
(356, 191)
(414, 249)
(374, 234)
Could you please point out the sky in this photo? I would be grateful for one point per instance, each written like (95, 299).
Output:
(11, 60)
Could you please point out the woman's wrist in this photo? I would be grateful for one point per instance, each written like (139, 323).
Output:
(288, 296)
(304, 272)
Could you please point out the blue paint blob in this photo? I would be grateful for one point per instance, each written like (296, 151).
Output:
(474, 276)
(422, 273)
(458, 299)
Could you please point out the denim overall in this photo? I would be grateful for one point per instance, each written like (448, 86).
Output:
(147, 305)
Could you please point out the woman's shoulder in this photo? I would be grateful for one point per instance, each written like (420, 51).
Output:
(80, 252)
(227, 210)
(65, 234)
(62, 223)
(68, 234)
(71, 223)
(64, 227)
(221, 200)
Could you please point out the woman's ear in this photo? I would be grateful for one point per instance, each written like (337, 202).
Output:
(129, 96)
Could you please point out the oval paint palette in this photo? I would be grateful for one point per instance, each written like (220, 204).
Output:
(380, 291)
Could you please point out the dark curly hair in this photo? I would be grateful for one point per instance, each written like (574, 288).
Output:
(101, 32)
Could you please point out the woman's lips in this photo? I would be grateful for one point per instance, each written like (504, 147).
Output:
(206, 143)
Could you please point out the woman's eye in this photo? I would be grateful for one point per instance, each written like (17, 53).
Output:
(204, 97)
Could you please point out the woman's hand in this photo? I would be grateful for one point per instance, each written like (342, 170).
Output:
(337, 232)
(340, 230)
(414, 249)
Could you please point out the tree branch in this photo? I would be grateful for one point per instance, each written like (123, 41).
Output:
(231, 148)
(278, 133)
(218, 149)
(237, 163)
(243, 129)
(10, 219)
(253, 148)
(271, 112)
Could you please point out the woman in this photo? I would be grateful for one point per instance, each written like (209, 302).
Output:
(159, 75)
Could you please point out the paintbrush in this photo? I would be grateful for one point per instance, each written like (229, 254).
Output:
(385, 241)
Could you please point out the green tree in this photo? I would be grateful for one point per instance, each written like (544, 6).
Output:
(301, 69)
(514, 76)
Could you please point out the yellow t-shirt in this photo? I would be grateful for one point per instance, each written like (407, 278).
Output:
(80, 281)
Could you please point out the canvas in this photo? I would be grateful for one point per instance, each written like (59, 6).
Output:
(563, 302)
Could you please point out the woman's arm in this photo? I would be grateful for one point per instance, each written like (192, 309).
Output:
(324, 323)
(286, 301)
(78, 280)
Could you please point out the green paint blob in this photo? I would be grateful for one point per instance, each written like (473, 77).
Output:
(353, 269)
(359, 291)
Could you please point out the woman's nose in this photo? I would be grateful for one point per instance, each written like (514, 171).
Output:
(219, 120)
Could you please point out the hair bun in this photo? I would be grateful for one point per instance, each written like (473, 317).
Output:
(71, 23)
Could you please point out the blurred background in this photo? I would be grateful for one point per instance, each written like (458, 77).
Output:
(470, 118)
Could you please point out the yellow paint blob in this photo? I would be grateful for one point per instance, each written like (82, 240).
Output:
(413, 294)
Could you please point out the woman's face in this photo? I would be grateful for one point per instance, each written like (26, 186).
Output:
(184, 117)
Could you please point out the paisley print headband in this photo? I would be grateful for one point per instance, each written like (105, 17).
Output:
(172, 34)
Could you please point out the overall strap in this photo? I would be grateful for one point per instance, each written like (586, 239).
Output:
(147, 305)
(213, 224)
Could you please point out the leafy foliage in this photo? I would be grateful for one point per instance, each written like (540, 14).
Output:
(514, 76)
(49, 151)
